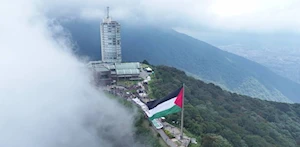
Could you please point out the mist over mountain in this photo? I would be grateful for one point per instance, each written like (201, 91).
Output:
(168, 47)
(279, 51)
(284, 61)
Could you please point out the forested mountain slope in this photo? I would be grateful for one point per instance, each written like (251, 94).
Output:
(219, 116)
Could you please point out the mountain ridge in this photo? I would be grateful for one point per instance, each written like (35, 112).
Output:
(168, 47)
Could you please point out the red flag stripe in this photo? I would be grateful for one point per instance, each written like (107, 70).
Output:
(179, 98)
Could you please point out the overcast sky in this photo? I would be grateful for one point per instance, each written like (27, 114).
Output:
(229, 15)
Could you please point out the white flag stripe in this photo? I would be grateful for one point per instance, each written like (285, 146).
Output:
(163, 106)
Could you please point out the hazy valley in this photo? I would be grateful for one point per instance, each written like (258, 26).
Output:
(283, 61)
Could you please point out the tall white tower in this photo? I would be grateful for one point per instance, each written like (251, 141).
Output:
(110, 40)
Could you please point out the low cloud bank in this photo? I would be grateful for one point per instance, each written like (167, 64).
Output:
(46, 99)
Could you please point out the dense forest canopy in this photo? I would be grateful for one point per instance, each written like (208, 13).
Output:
(222, 118)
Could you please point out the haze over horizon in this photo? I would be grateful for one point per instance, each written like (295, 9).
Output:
(264, 31)
(233, 15)
(253, 29)
(216, 22)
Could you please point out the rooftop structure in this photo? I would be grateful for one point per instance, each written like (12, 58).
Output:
(92, 64)
(125, 69)
(148, 69)
(110, 71)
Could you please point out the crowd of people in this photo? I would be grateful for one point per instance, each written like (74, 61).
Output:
(127, 92)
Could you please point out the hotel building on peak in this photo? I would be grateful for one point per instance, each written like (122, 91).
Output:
(110, 37)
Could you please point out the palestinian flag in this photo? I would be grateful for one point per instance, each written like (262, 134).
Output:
(167, 105)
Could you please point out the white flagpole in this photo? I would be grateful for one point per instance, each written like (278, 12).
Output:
(182, 110)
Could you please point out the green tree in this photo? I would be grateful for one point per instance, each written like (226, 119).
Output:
(145, 62)
(213, 140)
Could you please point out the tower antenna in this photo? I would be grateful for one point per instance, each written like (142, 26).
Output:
(107, 12)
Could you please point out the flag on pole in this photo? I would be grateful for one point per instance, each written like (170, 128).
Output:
(167, 105)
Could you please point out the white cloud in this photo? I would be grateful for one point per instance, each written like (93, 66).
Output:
(46, 99)
(267, 15)
(236, 15)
